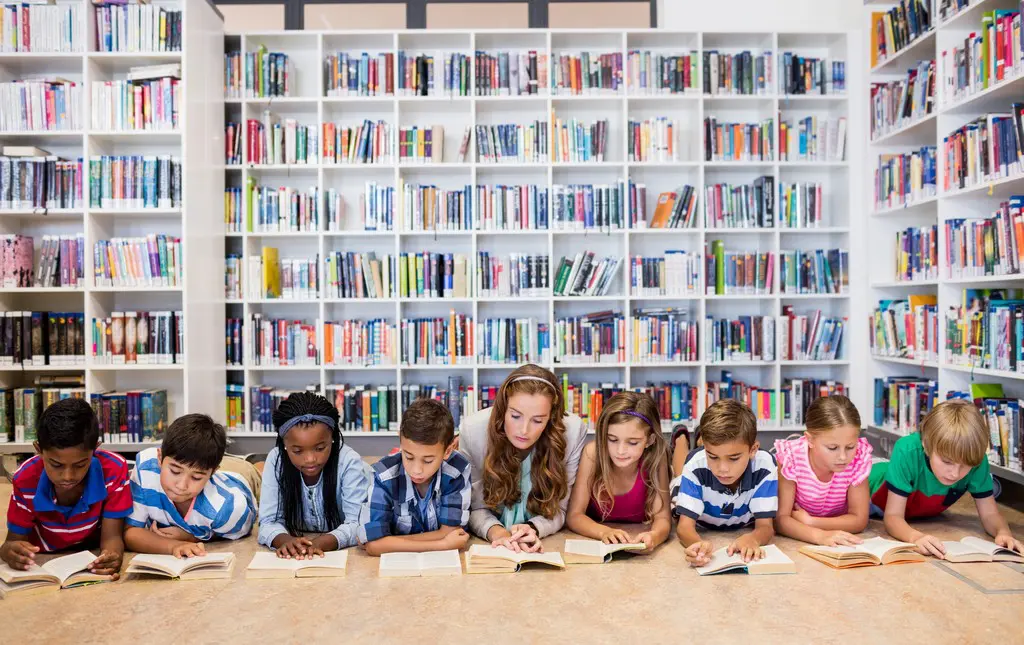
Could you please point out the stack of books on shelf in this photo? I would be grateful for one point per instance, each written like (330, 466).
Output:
(986, 246)
(513, 142)
(813, 139)
(598, 337)
(37, 338)
(905, 179)
(234, 403)
(438, 341)
(516, 276)
(61, 261)
(365, 408)
(360, 342)
(362, 74)
(917, 253)
(579, 142)
(149, 99)
(134, 181)
(20, 407)
(764, 401)
(138, 338)
(274, 342)
(48, 104)
(676, 273)
(811, 337)
(433, 275)
(737, 272)
(370, 142)
(906, 328)
(31, 178)
(436, 74)
(897, 28)
(739, 141)
(376, 210)
(234, 348)
(233, 202)
(902, 401)
(739, 339)
(270, 140)
(897, 104)
(577, 73)
(271, 277)
(151, 261)
(141, 27)
(264, 74)
(512, 341)
(743, 206)
(510, 73)
(511, 208)
(988, 56)
(678, 402)
(986, 149)
(808, 75)
(801, 205)
(741, 73)
(663, 335)
(821, 271)
(586, 400)
(674, 209)
(232, 144)
(586, 275)
(986, 329)
(456, 396)
(582, 207)
(281, 210)
(131, 416)
(264, 399)
(421, 144)
(41, 28)
(360, 275)
(1003, 416)
(653, 140)
(654, 73)
(429, 208)
(799, 393)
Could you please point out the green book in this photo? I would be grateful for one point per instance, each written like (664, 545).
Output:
(987, 391)
(382, 404)
(403, 276)
(562, 276)
(718, 251)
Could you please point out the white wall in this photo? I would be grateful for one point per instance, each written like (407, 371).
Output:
(760, 15)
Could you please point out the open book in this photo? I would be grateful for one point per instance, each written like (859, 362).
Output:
(594, 551)
(774, 561)
(972, 549)
(489, 559)
(875, 551)
(416, 565)
(59, 573)
(267, 565)
(211, 566)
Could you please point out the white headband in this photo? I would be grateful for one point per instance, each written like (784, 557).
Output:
(527, 377)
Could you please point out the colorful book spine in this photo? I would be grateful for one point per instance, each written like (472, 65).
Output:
(356, 405)
(510, 73)
(234, 345)
(435, 275)
(813, 139)
(274, 141)
(511, 208)
(40, 183)
(41, 28)
(580, 142)
(897, 104)
(986, 149)
(233, 73)
(438, 341)
(376, 210)
(264, 400)
(577, 73)
(901, 402)
(900, 26)
(819, 271)
(586, 275)
(134, 181)
(362, 276)
(513, 143)
(737, 272)
(663, 336)
(986, 246)
(151, 261)
(235, 408)
(801, 205)
(429, 208)
(281, 210)
(654, 140)
(905, 179)
(370, 142)
(763, 401)
(582, 207)
(917, 253)
(119, 106)
(800, 75)
(233, 203)
(676, 273)
(278, 342)
(137, 28)
(61, 262)
(360, 342)
(990, 54)
(652, 73)
(232, 144)
(40, 338)
(266, 74)
(512, 341)
(985, 331)
(741, 73)
(515, 275)
(906, 329)
(437, 74)
(136, 338)
(594, 338)
(809, 337)
(744, 205)
(799, 393)
(40, 105)
(739, 340)
(419, 144)
(739, 141)
(362, 74)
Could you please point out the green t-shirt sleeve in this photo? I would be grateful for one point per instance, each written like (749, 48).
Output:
(904, 464)
(979, 480)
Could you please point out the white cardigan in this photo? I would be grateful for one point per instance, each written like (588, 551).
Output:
(473, 444)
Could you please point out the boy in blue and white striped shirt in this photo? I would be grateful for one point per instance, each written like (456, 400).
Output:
(180, 499)
(727, 484)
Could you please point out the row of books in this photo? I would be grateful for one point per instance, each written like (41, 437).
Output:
(513, 142)
(60, 261)
(650, 72)
(40, 105)
(986, 329)
(29, 181)
(41, 28)
(429, 208)
(812, 337)
(38, 338)
(439, 74)
(741, 206)
(662, 335)
(359, 75)
(654, 139)
(271, 277)
(986, 57)
(421, 144)
(20, 409)
(358, 342)
(135, 181)
(739, 141)
(280, 141)
(281, 210)
(259, 74)
(739, 339)
(585, 275)
(895, 29)
(151, 261)
(138, 338)
(367, 143)
(271, 342)
(447, 340)
(986, 246)
(675, 273)
(1003, 418)
(801, 205)
(820, 271)
(578, 73)
(136, 105)
(516, 275)
(737, 272)
(675, 208)
(896, 104)
(579, 142)
(506, 73)
(511, 208)
(901, 402)
(983, 150)
(595, 338)
(807, 75)
(513, 341)
(762, 401)
(131, 416)
(906, 328)
(376, 210)
(741, 73)
(917, 253)
(905, 179)
(137, 28)
(813, 139)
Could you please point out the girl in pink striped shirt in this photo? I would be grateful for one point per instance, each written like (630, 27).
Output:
(823, 476)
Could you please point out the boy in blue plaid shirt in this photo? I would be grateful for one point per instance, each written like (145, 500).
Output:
(419, 497)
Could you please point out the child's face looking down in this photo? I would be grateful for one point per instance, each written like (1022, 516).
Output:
(308, 447)
(181, 482)
(729, 460)
(66, 468)
(627, 442)
(422, 461)
(833, 450)
(526, 418)
(946, 471)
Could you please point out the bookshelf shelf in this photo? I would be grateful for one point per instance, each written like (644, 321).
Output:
(985, 280)
(456, 113)
(920, 207)
(922, 46)
(42, 290)
(969, 15)
(1003, 92)
(906, 361)
(978, 371)
(41, 368)
(904, 284)
(910, 130)
(173, 367)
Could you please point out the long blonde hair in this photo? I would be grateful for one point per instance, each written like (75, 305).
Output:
(623, 408)
(548, 478)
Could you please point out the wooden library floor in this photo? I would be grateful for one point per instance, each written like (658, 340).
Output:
(631, 600)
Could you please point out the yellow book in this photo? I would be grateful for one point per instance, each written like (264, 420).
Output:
(594, 551)
(60, 573)
(212, 566)
(483, 558)
(420, 565)
(266, 565)
(773, 562)
(271, 273)
(873, 552)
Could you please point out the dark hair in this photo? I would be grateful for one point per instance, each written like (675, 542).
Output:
(195, 440)
(289, 479)
(428, 422)
(68, 423)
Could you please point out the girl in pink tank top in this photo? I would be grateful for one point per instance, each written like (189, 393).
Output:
(623, 476)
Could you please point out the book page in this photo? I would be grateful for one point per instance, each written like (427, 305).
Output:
(441, 560)
(773, 555)
(331, 559)
(551, 557)
(400, 562)
(720, 559)
(981, 546)
(488, 551)
(177, 566)
(958, 549)
(68, 565)
(586, 547)
(35, 572)
(269, 561)
(877, 546)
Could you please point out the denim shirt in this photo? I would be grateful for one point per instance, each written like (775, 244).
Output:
(351, 493)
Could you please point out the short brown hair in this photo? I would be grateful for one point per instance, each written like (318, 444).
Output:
(828, 412)
(956, 431)
(428, 422)
(728, 420)
(195, 440)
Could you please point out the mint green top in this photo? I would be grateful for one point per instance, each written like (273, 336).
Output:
(517, 513)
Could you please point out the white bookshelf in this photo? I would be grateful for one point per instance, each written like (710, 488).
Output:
(308, 104)
(197, 384)
(974, 201)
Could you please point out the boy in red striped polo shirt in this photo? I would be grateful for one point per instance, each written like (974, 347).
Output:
(69, 495)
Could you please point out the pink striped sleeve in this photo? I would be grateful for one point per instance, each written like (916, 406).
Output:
(785, 454)
(860, 467)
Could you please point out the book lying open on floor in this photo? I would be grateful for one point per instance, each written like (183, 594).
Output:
(875, 551)
(211, 566)
(60, 573)
(416, 565)
(266, 564)
(594, 551)
(972, 549)
(774, 561)
(490, 559)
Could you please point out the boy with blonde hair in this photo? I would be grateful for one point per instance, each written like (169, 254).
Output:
(931, 469)
(728, 483)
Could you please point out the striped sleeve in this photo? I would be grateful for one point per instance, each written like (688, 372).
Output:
(764, 503)
(119, 491)
(455, 496)
(139, 517)
(21, 515)
(688, 495)
(237, 513)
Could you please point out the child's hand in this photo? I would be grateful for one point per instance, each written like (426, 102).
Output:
(456, 539)
(647, 539)
(930, 545)
(747, 546)
(800, 515)
(527, 538)
(19, 554)
(188, 550)
(107, 564)
(1007, 541)
(839, 538)
(699, 553)
(616, 536)
(170, 532)
(298, 548)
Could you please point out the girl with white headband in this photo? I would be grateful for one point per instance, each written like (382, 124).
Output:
(524, 451)
(312, 495)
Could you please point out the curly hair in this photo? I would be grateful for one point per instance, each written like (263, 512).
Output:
(548, 478)
(652, 462)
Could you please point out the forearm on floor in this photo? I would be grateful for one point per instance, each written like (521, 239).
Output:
(687, 532)
(142, 540)
(849, 522)
(580, 524)
(897, 527)
(405, 544)
(794, 528)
